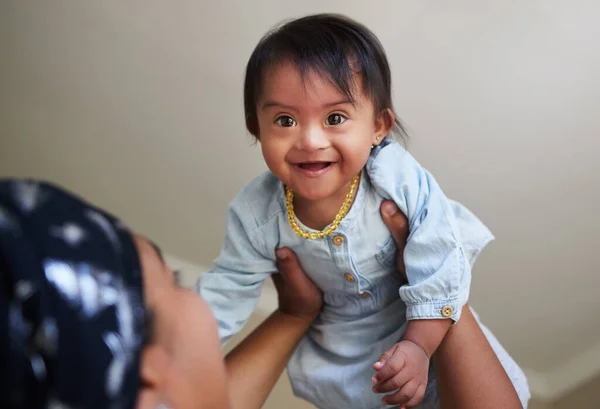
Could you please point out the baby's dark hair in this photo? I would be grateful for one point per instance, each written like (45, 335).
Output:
(334, 47)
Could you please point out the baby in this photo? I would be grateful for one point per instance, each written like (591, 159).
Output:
(317, 97)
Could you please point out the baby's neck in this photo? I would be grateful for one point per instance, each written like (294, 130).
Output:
(318, 214)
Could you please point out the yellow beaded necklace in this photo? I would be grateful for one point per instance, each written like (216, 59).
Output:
(289, 205)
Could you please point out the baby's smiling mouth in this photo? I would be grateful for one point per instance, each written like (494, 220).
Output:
(314, 166)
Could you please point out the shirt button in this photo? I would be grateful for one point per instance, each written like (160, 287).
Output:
(349, 277)
(365, 294)
(447, 311)
(338, 240)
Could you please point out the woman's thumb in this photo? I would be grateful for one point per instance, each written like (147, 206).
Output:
(395, 221)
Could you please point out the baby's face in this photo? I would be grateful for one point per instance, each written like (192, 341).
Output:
(183, 366)
(313, 138)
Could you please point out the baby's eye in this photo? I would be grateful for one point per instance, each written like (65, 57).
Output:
(285, 121)
(335, 119)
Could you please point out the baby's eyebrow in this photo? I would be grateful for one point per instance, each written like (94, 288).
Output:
(340, 102)
(270, 104)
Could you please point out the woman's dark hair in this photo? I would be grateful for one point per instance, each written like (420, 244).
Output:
(333, 46)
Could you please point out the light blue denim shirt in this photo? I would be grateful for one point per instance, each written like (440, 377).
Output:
(365, 304)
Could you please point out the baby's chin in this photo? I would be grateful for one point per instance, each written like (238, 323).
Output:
(312, 193)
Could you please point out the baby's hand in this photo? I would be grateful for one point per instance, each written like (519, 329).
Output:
(403, 368)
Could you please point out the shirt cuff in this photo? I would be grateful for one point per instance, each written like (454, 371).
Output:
(431, 310)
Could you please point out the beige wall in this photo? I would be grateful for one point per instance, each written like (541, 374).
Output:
(137, 105)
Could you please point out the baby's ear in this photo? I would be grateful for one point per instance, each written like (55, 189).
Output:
(384, 122)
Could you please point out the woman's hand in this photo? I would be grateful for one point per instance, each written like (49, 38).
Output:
(298, 295)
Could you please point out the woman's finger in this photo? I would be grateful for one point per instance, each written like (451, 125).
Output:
(288, 265)
(396, 222)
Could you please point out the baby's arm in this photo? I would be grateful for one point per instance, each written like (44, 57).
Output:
(232, 287)
(437, 270)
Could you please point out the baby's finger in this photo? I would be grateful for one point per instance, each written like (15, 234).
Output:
(417, 397)
(394, 383)
(405, 394)
(384, 357)
(392, 365)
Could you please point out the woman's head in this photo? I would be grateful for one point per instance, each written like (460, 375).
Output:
(317, 96)
(90, 315)
(182, 364)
